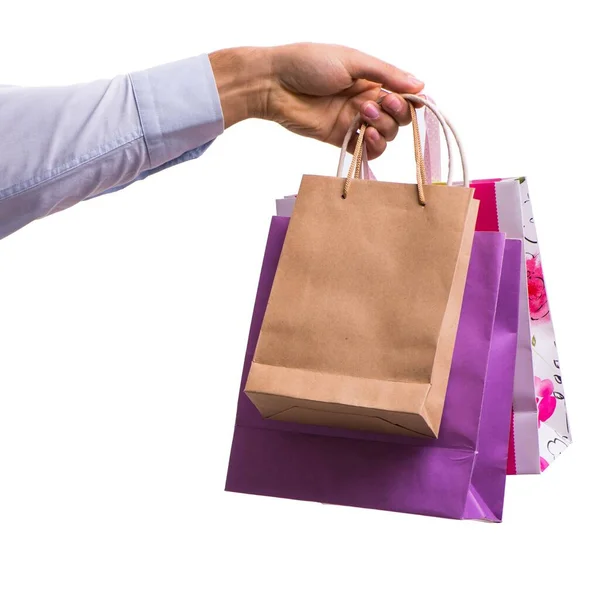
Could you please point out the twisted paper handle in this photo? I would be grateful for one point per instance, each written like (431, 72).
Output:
(355, 169)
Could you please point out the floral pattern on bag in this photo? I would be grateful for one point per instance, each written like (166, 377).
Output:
(545, 399)
(553, 425)
(536, 287)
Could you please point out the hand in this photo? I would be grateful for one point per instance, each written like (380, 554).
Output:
(314, 90)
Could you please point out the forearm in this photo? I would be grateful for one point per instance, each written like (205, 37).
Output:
(59, 146)
(243, 77)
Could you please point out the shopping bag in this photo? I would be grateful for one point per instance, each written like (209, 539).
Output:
(361, 322)
(540, 426)
(459, 475)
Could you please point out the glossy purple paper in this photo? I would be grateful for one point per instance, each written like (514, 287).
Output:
(460, 475)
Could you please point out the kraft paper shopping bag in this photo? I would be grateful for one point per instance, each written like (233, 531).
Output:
(361, 322)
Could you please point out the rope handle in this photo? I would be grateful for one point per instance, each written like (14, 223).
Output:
(356, 168)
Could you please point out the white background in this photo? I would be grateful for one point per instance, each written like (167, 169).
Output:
(123, 321)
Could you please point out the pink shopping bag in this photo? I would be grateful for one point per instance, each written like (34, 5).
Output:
(540, 427)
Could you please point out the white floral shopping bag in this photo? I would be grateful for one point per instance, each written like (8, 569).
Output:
(540, 428)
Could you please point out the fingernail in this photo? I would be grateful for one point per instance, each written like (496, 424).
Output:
(371, 111)
(395, 105)
(415, 81)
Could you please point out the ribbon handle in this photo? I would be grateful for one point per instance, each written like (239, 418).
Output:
(431, 141)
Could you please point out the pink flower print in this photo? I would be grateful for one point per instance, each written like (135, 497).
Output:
(543, 464)
(538, 300)
(544, 398)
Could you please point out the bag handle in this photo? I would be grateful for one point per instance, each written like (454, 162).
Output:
(430, 136)
(355, 169)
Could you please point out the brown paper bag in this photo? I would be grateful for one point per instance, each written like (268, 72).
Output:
(360, 326)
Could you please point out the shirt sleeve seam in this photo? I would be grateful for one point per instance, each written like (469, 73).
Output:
(137, 106)
(69, 166)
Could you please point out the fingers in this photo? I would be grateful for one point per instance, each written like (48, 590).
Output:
(375, 143)
(397, 107)
(384, 123)
(386, 118)
(361, 65)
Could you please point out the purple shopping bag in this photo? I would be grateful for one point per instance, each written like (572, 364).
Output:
(459, 475)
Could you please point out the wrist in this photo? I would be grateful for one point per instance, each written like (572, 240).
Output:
(243, 77)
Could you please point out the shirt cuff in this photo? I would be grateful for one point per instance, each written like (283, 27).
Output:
(179, 107)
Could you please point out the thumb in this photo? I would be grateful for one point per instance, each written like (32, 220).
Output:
(367, 67)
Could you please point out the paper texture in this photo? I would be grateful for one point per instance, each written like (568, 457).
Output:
(361, 322)
(540, 426)
(461, 474)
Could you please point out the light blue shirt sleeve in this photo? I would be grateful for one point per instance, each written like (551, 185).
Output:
(62, 145)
